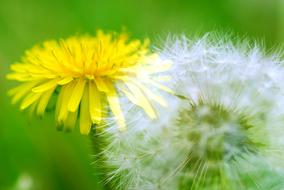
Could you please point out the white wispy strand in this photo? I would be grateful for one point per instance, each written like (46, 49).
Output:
(211, 76)
(237, 75)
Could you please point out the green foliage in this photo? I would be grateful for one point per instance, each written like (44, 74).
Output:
(34, 150)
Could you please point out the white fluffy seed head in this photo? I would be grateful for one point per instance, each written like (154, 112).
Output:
(222, 130)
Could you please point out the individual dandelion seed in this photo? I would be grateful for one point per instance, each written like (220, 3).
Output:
(90, 74)
(223, 130)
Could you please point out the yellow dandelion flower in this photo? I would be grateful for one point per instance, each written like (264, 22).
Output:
(89, 73)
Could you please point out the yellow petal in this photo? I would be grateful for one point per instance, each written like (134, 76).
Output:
(95, 103)
(21, 91)
(65, 80)
(141, 100)
(18, 76)
(129, 96)
(151, 95)
(46, 86)
(160, 86)
(63, 100)
(76, 95)
(58, 107)
(32, 108)
(44, 101)
(29, 99)
(102, 84)
(18, 67)
(85, 119)
(113, 101)
(70, 121)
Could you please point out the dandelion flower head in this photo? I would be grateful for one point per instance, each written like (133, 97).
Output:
(90, 74)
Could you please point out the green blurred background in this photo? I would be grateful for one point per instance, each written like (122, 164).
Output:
(33, 155)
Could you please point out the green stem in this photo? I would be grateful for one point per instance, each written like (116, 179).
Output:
(99, 146)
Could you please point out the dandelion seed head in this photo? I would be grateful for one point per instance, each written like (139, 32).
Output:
(220, 132)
